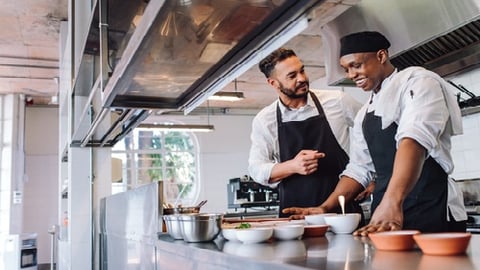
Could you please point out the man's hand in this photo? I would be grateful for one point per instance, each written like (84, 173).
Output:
(367, 192)
(387, 217)
(301, 212)
(306, 161)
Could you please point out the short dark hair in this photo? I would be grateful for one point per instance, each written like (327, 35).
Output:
(268, 63)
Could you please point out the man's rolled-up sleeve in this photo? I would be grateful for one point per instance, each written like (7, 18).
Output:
(360, 167)
(262, 157)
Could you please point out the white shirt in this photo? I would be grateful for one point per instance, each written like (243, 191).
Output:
(423, 116)
(340, 110)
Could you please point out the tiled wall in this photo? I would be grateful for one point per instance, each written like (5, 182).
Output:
(466, 147)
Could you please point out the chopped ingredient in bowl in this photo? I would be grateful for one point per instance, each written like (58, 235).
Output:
(243, 226)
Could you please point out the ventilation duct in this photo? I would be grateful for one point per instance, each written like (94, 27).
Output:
(440, 35)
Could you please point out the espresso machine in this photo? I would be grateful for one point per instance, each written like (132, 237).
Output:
(244, 192)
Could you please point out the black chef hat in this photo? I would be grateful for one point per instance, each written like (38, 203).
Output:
(368, 41)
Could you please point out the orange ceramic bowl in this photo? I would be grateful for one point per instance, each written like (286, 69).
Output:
(394, 240)
(443, 243)
(315, 230)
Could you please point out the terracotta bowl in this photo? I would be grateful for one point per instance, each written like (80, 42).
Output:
(443, 243)
(315, 230)
(394, 240)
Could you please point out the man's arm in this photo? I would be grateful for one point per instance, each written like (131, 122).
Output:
(304, 163)
(407, 168)
(347, 187)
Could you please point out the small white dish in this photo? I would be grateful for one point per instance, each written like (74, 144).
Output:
(343, 224)
(317, 219)
(288, 232)
(254, 234)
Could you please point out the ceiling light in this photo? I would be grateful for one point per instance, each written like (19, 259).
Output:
(179, 127)
(228, 96)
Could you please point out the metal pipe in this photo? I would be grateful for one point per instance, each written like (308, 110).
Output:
(28, 66)
(52, 233)
(30, 58)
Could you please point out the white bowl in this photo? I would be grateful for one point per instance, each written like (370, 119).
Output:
(343, 224)
(230, 234)
(288, 232)
(317, 219)
(256, 251)
(254, 234)
(290, 250)
(345, 248)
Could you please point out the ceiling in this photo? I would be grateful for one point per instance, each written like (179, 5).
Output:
(29, 47)
(29, 52)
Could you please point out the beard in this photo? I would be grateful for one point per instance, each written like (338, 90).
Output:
(292, 93)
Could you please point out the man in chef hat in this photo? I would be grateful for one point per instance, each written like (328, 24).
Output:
(402, 136)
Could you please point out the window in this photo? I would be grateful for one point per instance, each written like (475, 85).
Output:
(149, 155)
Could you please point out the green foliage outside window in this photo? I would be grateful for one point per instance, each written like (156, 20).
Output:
(154, 155)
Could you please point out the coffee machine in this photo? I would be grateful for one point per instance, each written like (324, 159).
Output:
(244, 192)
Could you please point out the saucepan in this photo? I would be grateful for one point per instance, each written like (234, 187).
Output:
(184, 210)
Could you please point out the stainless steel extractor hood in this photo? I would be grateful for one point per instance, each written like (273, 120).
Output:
(172, 55)
(182, 51)
(441, 35)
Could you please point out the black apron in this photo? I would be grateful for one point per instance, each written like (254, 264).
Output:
(313, 133)
(425, 206)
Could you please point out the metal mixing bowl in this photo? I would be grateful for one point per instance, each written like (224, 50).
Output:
(200, 227)
(174, 226)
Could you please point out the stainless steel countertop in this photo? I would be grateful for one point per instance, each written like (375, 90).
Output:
(329, 252)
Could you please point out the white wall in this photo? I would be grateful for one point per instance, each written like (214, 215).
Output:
(40, 205)
(11, 163)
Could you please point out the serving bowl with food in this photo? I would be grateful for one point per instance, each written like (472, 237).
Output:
(253, 235)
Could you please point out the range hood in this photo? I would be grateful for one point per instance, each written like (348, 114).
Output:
(171, 55)
(440, 35)
(181, 52)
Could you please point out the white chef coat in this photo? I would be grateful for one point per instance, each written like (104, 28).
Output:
(423, 115)
(340, 110)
